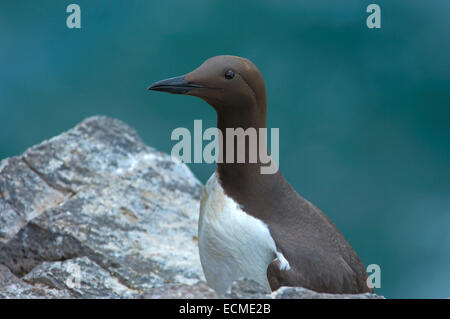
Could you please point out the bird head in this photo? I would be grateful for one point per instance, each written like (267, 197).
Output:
(228, 83)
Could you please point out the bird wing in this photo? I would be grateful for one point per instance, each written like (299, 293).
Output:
(320, 257)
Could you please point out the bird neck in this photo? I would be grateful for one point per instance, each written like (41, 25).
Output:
(248, 120)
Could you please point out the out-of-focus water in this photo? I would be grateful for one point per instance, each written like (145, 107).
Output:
(363, 114)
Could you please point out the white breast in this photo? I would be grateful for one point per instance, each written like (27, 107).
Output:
(232, 243)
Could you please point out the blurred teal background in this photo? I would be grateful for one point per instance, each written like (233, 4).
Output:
(363, 113)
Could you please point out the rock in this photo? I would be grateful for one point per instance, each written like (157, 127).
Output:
(23, 196)
(303, 293)
(96, 213)
(13, 287)
(197, 291)
(81, 277)
(99, 196)
(246, 289)
(249, 289)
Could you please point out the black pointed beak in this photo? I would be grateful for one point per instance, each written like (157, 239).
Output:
(176, 85)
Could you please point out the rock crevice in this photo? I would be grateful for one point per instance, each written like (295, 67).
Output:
(62, 190)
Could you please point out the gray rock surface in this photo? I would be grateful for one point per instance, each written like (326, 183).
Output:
(303, 293)
(13, 287)
(97, 196)
(249, 289)
(197, 291)
(96, 213)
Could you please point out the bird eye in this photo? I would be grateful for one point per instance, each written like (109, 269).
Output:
(229, 74)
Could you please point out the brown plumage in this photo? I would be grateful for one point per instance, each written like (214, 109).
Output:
(320, 257)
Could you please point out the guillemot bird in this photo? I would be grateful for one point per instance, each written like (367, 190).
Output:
(256, 225)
